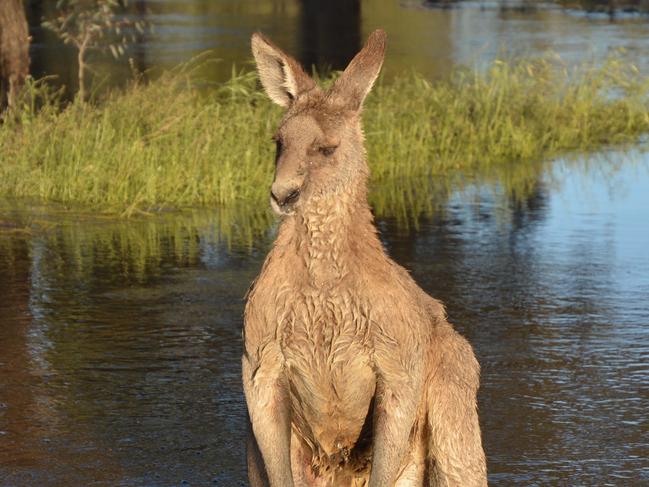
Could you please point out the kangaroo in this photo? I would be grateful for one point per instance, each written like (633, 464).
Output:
(351, 372)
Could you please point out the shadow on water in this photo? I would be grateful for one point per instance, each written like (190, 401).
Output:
(122, 339)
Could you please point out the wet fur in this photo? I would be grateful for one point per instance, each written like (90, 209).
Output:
(352, 374)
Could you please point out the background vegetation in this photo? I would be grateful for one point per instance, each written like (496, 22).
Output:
(176, 142)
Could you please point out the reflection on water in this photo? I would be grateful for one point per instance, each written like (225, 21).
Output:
(119, 365)
(121, 340)
(328, 34)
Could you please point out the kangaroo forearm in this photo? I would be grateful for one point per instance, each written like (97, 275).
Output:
(256, 470)
(388, 458)
(269, 412)
(394, 418)
(274, 445)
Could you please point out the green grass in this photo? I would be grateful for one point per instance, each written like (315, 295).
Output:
(175, 143)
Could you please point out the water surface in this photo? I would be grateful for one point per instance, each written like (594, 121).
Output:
(431, 41)
(121, 341)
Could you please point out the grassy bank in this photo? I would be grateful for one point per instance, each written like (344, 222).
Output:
(171, 144)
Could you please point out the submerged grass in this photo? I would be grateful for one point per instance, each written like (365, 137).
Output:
(173, 143)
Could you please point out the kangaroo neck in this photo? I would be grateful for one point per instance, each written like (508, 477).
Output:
(329, 232)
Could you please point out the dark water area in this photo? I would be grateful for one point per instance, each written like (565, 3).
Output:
(422, 37)
(120, 341)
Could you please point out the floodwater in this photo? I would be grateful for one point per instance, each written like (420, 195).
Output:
(328, 34)
(121, 340)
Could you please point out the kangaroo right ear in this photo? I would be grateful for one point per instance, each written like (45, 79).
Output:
(359, 76)
(281, 76)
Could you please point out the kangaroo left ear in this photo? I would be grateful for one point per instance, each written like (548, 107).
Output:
(281, 76)
(361, 73)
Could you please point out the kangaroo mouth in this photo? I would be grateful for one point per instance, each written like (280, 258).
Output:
(283, 210)
(283, 203)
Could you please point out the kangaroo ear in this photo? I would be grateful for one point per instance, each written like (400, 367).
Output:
(281, 76)
(359, 76)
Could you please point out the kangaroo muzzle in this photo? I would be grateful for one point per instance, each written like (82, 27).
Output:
(283, 198)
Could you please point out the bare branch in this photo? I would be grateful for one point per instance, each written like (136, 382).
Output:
(94, 25)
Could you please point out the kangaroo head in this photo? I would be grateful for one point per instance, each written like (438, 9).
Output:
(320, 149)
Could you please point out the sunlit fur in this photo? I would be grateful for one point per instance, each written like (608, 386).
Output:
(351, 372)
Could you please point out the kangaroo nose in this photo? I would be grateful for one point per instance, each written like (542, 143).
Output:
(284, 196)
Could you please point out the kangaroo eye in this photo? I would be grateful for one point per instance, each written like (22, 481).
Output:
(327, 151)
(278, 149)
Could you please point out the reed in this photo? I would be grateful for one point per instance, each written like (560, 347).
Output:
(177, 142)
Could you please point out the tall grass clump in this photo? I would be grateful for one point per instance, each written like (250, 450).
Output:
(175, 142)
(498, 125)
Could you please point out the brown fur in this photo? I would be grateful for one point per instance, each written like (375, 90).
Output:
(351, 372)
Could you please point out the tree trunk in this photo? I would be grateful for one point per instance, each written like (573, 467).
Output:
(14, 50)
(330, 33)
(81, 59)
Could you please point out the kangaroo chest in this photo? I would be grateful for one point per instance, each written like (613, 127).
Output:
(325, 342)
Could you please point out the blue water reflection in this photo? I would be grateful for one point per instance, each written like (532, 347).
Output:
(122, 340)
